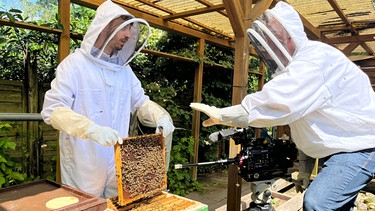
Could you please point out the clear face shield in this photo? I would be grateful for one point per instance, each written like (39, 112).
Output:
(269, 47)
(122, 40)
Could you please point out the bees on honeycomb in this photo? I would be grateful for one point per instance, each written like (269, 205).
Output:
(142, 165)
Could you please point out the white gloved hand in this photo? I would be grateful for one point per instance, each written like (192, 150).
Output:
(168, 148)
(214, 137)
(233, 116)
(105, 136)
(164, 125)
(210, 111)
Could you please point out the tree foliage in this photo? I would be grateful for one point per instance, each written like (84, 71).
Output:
(12, 170)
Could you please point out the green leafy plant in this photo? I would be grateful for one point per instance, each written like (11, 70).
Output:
(11, 171)
(13, 15)
(179, 180)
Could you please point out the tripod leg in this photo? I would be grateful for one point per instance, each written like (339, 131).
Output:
(260, 207)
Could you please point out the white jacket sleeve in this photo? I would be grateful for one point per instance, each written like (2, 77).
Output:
(236, 114)
(70, 122)
(286, 98)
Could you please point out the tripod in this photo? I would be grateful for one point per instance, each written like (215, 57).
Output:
(261, 196)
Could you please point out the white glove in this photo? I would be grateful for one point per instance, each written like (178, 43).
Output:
(72, 123)
(105, 136)
(168, 148)
(210, 111)
(165, 125)
(233, 116)
(214, 137)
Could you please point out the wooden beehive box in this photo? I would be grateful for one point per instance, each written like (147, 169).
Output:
(140, 167)
(36, 195)
(160, 202)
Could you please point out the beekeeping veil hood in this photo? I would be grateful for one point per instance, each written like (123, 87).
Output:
(270, 33)
(110, 18)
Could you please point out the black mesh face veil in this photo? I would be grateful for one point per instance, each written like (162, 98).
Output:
(265, 52)
(138, 31)
(268, 46)
(262, 52)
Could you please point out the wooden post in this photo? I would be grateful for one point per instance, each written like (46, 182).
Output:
(63, 51)
(240, 78)
(241, 15)
(31, 85)
(198, 81)
(64, 39)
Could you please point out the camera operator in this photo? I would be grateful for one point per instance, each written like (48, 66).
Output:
(327, 101)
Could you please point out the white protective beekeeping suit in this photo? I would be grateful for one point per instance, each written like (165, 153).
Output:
(91, 99)
(318, 91)
(320, 94)
(275, 56)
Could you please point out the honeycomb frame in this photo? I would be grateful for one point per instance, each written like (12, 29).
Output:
(140, 167)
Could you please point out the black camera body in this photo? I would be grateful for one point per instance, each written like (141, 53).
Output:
(262, 158)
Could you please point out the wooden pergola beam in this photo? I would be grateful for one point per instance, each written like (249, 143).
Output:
(357, 25)
(194, 12)
(350, 48)
(311, 31)
(181, 58)
(354, 32)
(258, 8)
(236, 17)
(187, 19)
(339, 12)
(209, 4)
(158, 22)
(349, 39)
(29, 26)
(334, 28)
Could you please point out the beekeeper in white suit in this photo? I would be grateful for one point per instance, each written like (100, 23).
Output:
(327, 101)
(92, 96)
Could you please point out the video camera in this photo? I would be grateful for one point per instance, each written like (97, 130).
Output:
(262, 158)
(259, 158)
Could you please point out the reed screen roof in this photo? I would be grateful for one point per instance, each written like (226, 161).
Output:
(349, 25)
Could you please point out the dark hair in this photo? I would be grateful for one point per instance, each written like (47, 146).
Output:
(113, 27)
